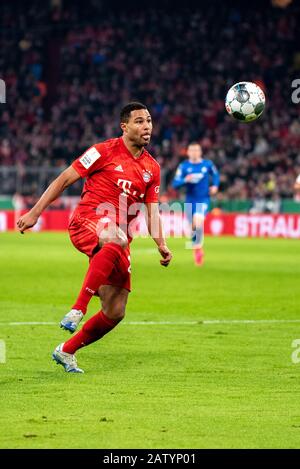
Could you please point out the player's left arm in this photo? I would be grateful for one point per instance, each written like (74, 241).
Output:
(155, 228)
(153, 218)
(215, 179)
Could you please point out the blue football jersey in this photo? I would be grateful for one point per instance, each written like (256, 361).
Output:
(205, 174)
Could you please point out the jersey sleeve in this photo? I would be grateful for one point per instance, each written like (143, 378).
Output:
(152, 192)
(90, 161)
(178, 180)
(215, 175)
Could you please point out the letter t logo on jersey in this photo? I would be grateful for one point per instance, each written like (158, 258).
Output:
(125, 185)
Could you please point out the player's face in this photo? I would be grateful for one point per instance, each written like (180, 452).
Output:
(194, 153)
(138, 129)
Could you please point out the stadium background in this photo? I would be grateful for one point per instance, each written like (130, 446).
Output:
(205, 357)
(67, 76)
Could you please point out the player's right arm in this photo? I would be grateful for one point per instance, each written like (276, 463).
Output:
(64, 180)
(91, 160)
(179, 179)
(215, 179)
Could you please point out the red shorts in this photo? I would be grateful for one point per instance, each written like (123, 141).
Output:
(83, 234)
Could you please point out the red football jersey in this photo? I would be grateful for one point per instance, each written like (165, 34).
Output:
(116, 181)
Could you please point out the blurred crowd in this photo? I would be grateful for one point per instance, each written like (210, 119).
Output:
(70, 66)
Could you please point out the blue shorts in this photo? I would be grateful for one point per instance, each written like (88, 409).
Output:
(200, 207)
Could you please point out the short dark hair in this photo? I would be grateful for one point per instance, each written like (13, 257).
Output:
(126, 110)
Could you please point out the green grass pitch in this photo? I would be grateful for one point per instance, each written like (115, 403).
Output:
(187, 384)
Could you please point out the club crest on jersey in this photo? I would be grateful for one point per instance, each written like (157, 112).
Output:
(147, 175)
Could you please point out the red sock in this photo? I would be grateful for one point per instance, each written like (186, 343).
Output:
(92, 330)
(99, 270)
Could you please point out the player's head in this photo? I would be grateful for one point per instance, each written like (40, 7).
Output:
(136, 123)
(194, 152)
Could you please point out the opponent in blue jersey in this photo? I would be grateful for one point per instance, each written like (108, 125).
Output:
(201, 179)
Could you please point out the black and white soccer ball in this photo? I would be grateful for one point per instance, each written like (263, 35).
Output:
(245, 101)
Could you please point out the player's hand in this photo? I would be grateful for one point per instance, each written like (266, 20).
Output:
(213, 190)
(166, 255)
(27, 221)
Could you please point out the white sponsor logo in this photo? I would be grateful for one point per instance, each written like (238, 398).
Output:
(216, 226)
(125, 185)
(119, 168)
(89, 157)
(196, 177)
(3, 221)
(267, 225)
(39, 224)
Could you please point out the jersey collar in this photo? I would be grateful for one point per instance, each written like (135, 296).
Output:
(124, 148)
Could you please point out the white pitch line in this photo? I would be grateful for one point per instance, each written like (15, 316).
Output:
(161, 323)
(171, 323)
(33, 323)
(212, 321)
(249, 321)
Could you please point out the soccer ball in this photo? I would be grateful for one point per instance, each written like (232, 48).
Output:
(245, 101)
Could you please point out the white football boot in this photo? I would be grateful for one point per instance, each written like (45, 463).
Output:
(71, 320)
(67, 360)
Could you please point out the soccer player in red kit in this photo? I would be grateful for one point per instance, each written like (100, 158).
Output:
(120, 175)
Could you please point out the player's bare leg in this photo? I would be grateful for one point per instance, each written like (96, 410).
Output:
(112, 240)
(114, 300)
(198, 226)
